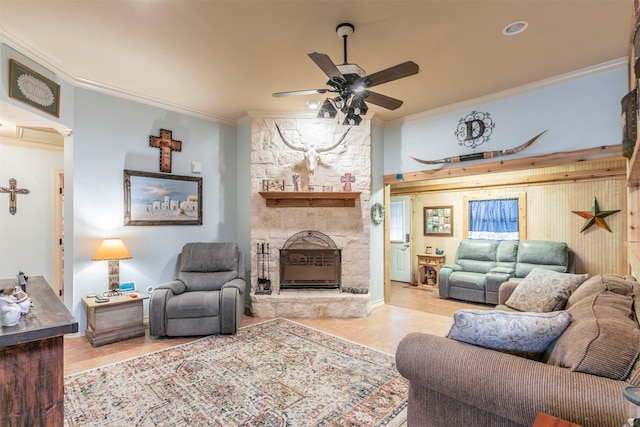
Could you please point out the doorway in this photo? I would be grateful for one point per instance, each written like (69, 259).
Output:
(400, 239)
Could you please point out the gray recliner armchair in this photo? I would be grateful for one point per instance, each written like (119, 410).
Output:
(206, 295)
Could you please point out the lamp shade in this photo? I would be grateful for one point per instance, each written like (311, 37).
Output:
(111, 249)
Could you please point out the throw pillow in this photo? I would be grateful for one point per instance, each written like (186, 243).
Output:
(544, 290)
(509, 331)
(603, 338)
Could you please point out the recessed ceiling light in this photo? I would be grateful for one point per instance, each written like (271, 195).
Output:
(515, 28)
(313, 104)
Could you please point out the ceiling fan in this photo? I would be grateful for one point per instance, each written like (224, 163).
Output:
(351, 84)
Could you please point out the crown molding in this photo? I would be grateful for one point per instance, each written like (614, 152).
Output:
(28, 143)
(296, 115)
(71, 78)
(604, 67)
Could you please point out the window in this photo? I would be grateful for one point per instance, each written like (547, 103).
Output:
(499, 218)
(396, 222)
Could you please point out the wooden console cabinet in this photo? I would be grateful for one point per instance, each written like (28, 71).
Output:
(31, 360)
(429, 260)
(118, 319)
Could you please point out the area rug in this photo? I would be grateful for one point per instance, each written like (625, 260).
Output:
(276, 373)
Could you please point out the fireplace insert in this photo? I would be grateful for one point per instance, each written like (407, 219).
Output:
(310, 260)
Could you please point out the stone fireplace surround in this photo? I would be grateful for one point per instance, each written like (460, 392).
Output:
(348, 227)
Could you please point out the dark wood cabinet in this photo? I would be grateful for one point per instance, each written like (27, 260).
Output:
(32, 362)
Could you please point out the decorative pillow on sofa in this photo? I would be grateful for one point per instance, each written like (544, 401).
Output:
(544, 290)
(509, 331)
(603, 339)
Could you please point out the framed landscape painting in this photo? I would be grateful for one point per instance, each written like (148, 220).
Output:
(438, 221)
(161, 199)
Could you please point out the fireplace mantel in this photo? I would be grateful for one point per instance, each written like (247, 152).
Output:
(304, 199)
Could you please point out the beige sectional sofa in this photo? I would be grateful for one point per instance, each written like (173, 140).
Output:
(578, 377)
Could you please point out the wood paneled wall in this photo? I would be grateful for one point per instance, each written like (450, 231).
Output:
(552, 194)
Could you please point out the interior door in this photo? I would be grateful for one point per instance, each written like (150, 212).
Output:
(400, 239)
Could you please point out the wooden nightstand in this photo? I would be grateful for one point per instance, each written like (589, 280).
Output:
(118, 319)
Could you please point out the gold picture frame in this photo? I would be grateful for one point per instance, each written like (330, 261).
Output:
(438, 221)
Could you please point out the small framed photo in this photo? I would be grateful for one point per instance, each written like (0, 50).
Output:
(33, 88)
(438, 221)
(161, 199)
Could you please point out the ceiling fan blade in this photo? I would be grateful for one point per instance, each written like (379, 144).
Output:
(383, 100)
(300, 92)
(399, 71)
(327, 66)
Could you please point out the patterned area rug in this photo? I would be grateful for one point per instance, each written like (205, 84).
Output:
(276, 373)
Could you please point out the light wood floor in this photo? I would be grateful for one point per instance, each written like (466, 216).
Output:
(411, 310)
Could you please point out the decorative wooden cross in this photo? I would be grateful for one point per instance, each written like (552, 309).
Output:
(13, 189)
(347, 179)
(167, 145)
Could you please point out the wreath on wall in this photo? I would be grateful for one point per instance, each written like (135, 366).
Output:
(377, 213)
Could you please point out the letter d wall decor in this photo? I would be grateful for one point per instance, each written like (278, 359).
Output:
(474, 129)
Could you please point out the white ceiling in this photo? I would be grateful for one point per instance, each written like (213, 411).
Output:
(223, 58)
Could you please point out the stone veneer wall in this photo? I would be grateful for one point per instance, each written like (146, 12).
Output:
(348, 227)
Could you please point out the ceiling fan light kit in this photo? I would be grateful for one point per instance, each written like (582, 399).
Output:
(352, 85)
(327, 111)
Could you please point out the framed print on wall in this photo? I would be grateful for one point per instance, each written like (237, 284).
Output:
(438, 221)
(161, 199)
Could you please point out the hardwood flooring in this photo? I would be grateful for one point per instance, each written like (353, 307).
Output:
(428, 300)
(411, 310)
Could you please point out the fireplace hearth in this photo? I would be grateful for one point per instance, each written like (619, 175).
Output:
(310, 260)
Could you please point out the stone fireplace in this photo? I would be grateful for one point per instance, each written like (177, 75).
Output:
(321, 291)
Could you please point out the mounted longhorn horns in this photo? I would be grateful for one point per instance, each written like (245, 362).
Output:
(311, 153)
(483, 155)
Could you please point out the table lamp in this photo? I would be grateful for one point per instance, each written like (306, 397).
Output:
(112, 250)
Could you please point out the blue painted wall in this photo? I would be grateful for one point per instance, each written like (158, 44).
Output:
(110, 135)
(580, 113)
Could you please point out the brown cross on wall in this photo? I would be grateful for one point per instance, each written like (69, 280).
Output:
(13, 189)
(167, 145)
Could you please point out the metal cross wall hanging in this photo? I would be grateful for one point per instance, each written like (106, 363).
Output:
(167, 145)
(13, 189)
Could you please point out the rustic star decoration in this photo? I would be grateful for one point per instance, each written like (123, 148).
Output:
(596, 216)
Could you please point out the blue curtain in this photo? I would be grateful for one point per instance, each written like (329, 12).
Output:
(493, 219)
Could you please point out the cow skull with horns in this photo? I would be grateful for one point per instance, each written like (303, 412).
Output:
(311, 153)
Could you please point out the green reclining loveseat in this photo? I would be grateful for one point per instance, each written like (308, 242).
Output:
(483, 265)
